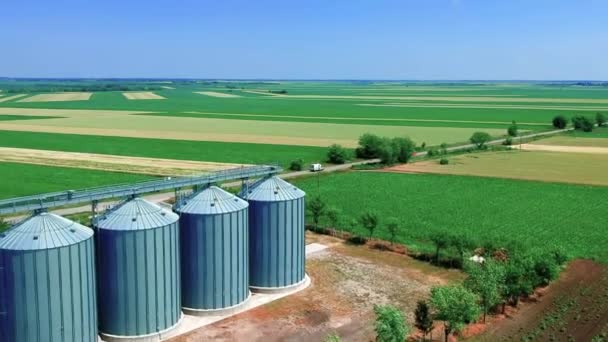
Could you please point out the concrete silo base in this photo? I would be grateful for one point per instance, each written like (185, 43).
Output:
(277, 290)
(223, 311)
(154, 337)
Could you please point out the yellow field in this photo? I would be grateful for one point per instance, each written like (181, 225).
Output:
(538, 166)
(216, 94)
(120, 123)
(142, 95)
(58, 97)
(573, 141)
(8, 98)
(150, 166)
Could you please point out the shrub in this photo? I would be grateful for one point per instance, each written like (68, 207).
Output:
(390, 324)
(508, 141)
(480, 139)
(424, 319)
(546, 269)
(296, 165)
(404, 149)
(444, 161)
(332, 338)
(583, 123)
(317, 208)
(3, 225)
(512, 131)
(560, 122)
(336, 154)
(432, 152)
(600, 119)
(357, 240)
(369, 220)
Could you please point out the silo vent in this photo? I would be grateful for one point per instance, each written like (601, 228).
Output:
(213, 204)
(35, 237)
(134, 219)
(163, 213)
(73, 230)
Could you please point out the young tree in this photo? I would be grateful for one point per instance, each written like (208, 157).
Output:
(513, 130)
(441, 241)
(480, 139)
(336, 154)
(317, 209)
(519, 280)
(332, 338)
(487, 281)
(387, 152)
(333, 215)
(404, 149)
(560, 122)
(600, 119)
(390, 324)
(3, 225)
(583, 123)
(392, 225)
(455, 305)
(462, 243)
(369, 220)
(424, 320)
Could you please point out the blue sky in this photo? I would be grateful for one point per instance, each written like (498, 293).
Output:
(312, 39)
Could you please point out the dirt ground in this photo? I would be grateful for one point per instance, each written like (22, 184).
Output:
(566, 149)
(58, 97)
(139, 165)
(346, 283)
(574, 308)
(143, 95)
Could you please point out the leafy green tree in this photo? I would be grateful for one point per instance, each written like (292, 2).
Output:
(583, 123)
(390, 324)
(387, 152)
(370, 146)
(462, 243)
(519, 280)
(317, 209)
(369, 220)
(513, 130)
(545, 268)
(3, 225)
(336, 154)
(480, 139)
(404, 149)
(333, 215)
(600, 119)
(560, 122)
(487, 281)
(392, 225)
(424, 319)
(455, 305)
(441, 241)
(296, 165)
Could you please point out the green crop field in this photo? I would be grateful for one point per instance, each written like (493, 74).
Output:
(536, 215)
(24, 179)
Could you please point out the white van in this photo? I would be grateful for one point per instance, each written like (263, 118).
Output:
(316, 167)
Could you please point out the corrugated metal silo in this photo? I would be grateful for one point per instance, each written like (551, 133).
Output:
(214, 245)
(276, 234)
(138, 270)
(47, 281)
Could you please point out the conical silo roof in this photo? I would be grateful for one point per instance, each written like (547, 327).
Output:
(44, 231)
(211, 201)
(136, 214)
(273, 189)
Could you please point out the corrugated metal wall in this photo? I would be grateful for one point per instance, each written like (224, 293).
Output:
(138, 272)
(214, 260)
(276, 243)
(48, 295)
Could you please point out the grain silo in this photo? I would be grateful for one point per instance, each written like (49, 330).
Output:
(138, 270)
(47, 281)
(214, 245)
(276, 235)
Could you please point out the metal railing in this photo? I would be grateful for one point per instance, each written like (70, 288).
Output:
(71, 197)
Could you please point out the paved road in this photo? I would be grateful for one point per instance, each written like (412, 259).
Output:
(163, 197)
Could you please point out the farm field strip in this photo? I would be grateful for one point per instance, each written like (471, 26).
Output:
(538, 166)
(216, 94)
(26, 179)
(477, 106)
(167, 87)
(12, 97)
(251, 131)
(573, 141)
(359, 118)
(565, 149)
(58, 97)
(139, 165)
(71, 113)
(142, 95)
(535, 215)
